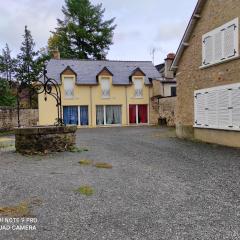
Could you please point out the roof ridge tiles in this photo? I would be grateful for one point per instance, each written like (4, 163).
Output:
(92, 60)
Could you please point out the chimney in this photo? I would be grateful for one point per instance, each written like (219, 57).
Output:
(168, 62)
(56, 54)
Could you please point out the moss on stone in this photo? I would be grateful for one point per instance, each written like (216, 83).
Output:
(85, 190)
(103, 165)
(85, 162)
(20, 210)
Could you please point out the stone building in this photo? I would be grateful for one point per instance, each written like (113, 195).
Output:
(164, 93)
(208, 78)
(166, 85)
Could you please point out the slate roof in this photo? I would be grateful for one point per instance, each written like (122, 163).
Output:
(87, 70)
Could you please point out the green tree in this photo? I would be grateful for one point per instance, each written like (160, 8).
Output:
(29, 65)
(7, 64)
(83, 33)
(7, 97)
(28, 69)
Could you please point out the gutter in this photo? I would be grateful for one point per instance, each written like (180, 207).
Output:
(184, 42)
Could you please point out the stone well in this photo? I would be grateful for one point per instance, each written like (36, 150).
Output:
(45, 139)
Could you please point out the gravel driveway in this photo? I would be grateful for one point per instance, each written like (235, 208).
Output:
(159, 187)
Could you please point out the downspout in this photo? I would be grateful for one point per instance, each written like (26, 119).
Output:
(126, 105)
(91, 105)
(149, 104)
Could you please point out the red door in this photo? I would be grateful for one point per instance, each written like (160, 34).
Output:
(142, 114)
(132, 113)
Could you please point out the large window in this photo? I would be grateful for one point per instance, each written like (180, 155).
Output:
(218, 107)
(105, 84)
(107, 115)
(138, 114)
(68, 87)
(138, 88)
(221, 44)
(77, 115)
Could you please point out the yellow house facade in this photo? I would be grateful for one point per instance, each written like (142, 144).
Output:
(100, 93)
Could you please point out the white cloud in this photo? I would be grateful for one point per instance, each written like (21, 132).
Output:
(141, 24)
(170, 31)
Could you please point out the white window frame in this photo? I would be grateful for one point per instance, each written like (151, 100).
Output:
(138, 92)
(73, 84)
(105, 116)
(212, 35)
(105, 92)
(231, 109)
(137, 122)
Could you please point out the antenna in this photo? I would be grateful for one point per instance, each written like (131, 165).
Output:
(152, 53)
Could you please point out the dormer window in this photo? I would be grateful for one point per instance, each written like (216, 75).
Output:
(138, 88)
(105, 84)
(68, 87)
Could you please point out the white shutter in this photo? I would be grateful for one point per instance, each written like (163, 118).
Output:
(229, 41)
(199, 109)
(223, 108)
(212, 102)
(221, 43)
(236, 108)
(218, 107)
(218, 46)
(208, 50)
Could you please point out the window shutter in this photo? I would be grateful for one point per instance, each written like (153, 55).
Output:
(199, 109)
(218, 46)
(223, 109)
(229, 41)
(221, 43)
(236, 107)
(212, 102)
(208, 50)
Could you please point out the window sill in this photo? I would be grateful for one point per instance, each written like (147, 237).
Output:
(218, 63)
(234, 129)
(106, 97)
(70, 98)
(138, 97)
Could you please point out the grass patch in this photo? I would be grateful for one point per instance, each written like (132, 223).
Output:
(85, 190)
(77, 149)
(85, 162)
(20, 210)
(6, 133)
(169, 133)
(103, 165)
(23, 209)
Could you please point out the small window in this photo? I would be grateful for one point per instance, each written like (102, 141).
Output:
(138, 88)
(69, 87)
(173, 91)
(105, 84)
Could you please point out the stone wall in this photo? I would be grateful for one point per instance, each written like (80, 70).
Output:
(35, 140)
(8, 117)
(163, 110)
(189, 75)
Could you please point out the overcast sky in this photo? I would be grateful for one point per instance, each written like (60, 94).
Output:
(142, 24)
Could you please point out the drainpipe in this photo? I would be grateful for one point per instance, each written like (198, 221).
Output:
(126, 105)
(91, 105)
